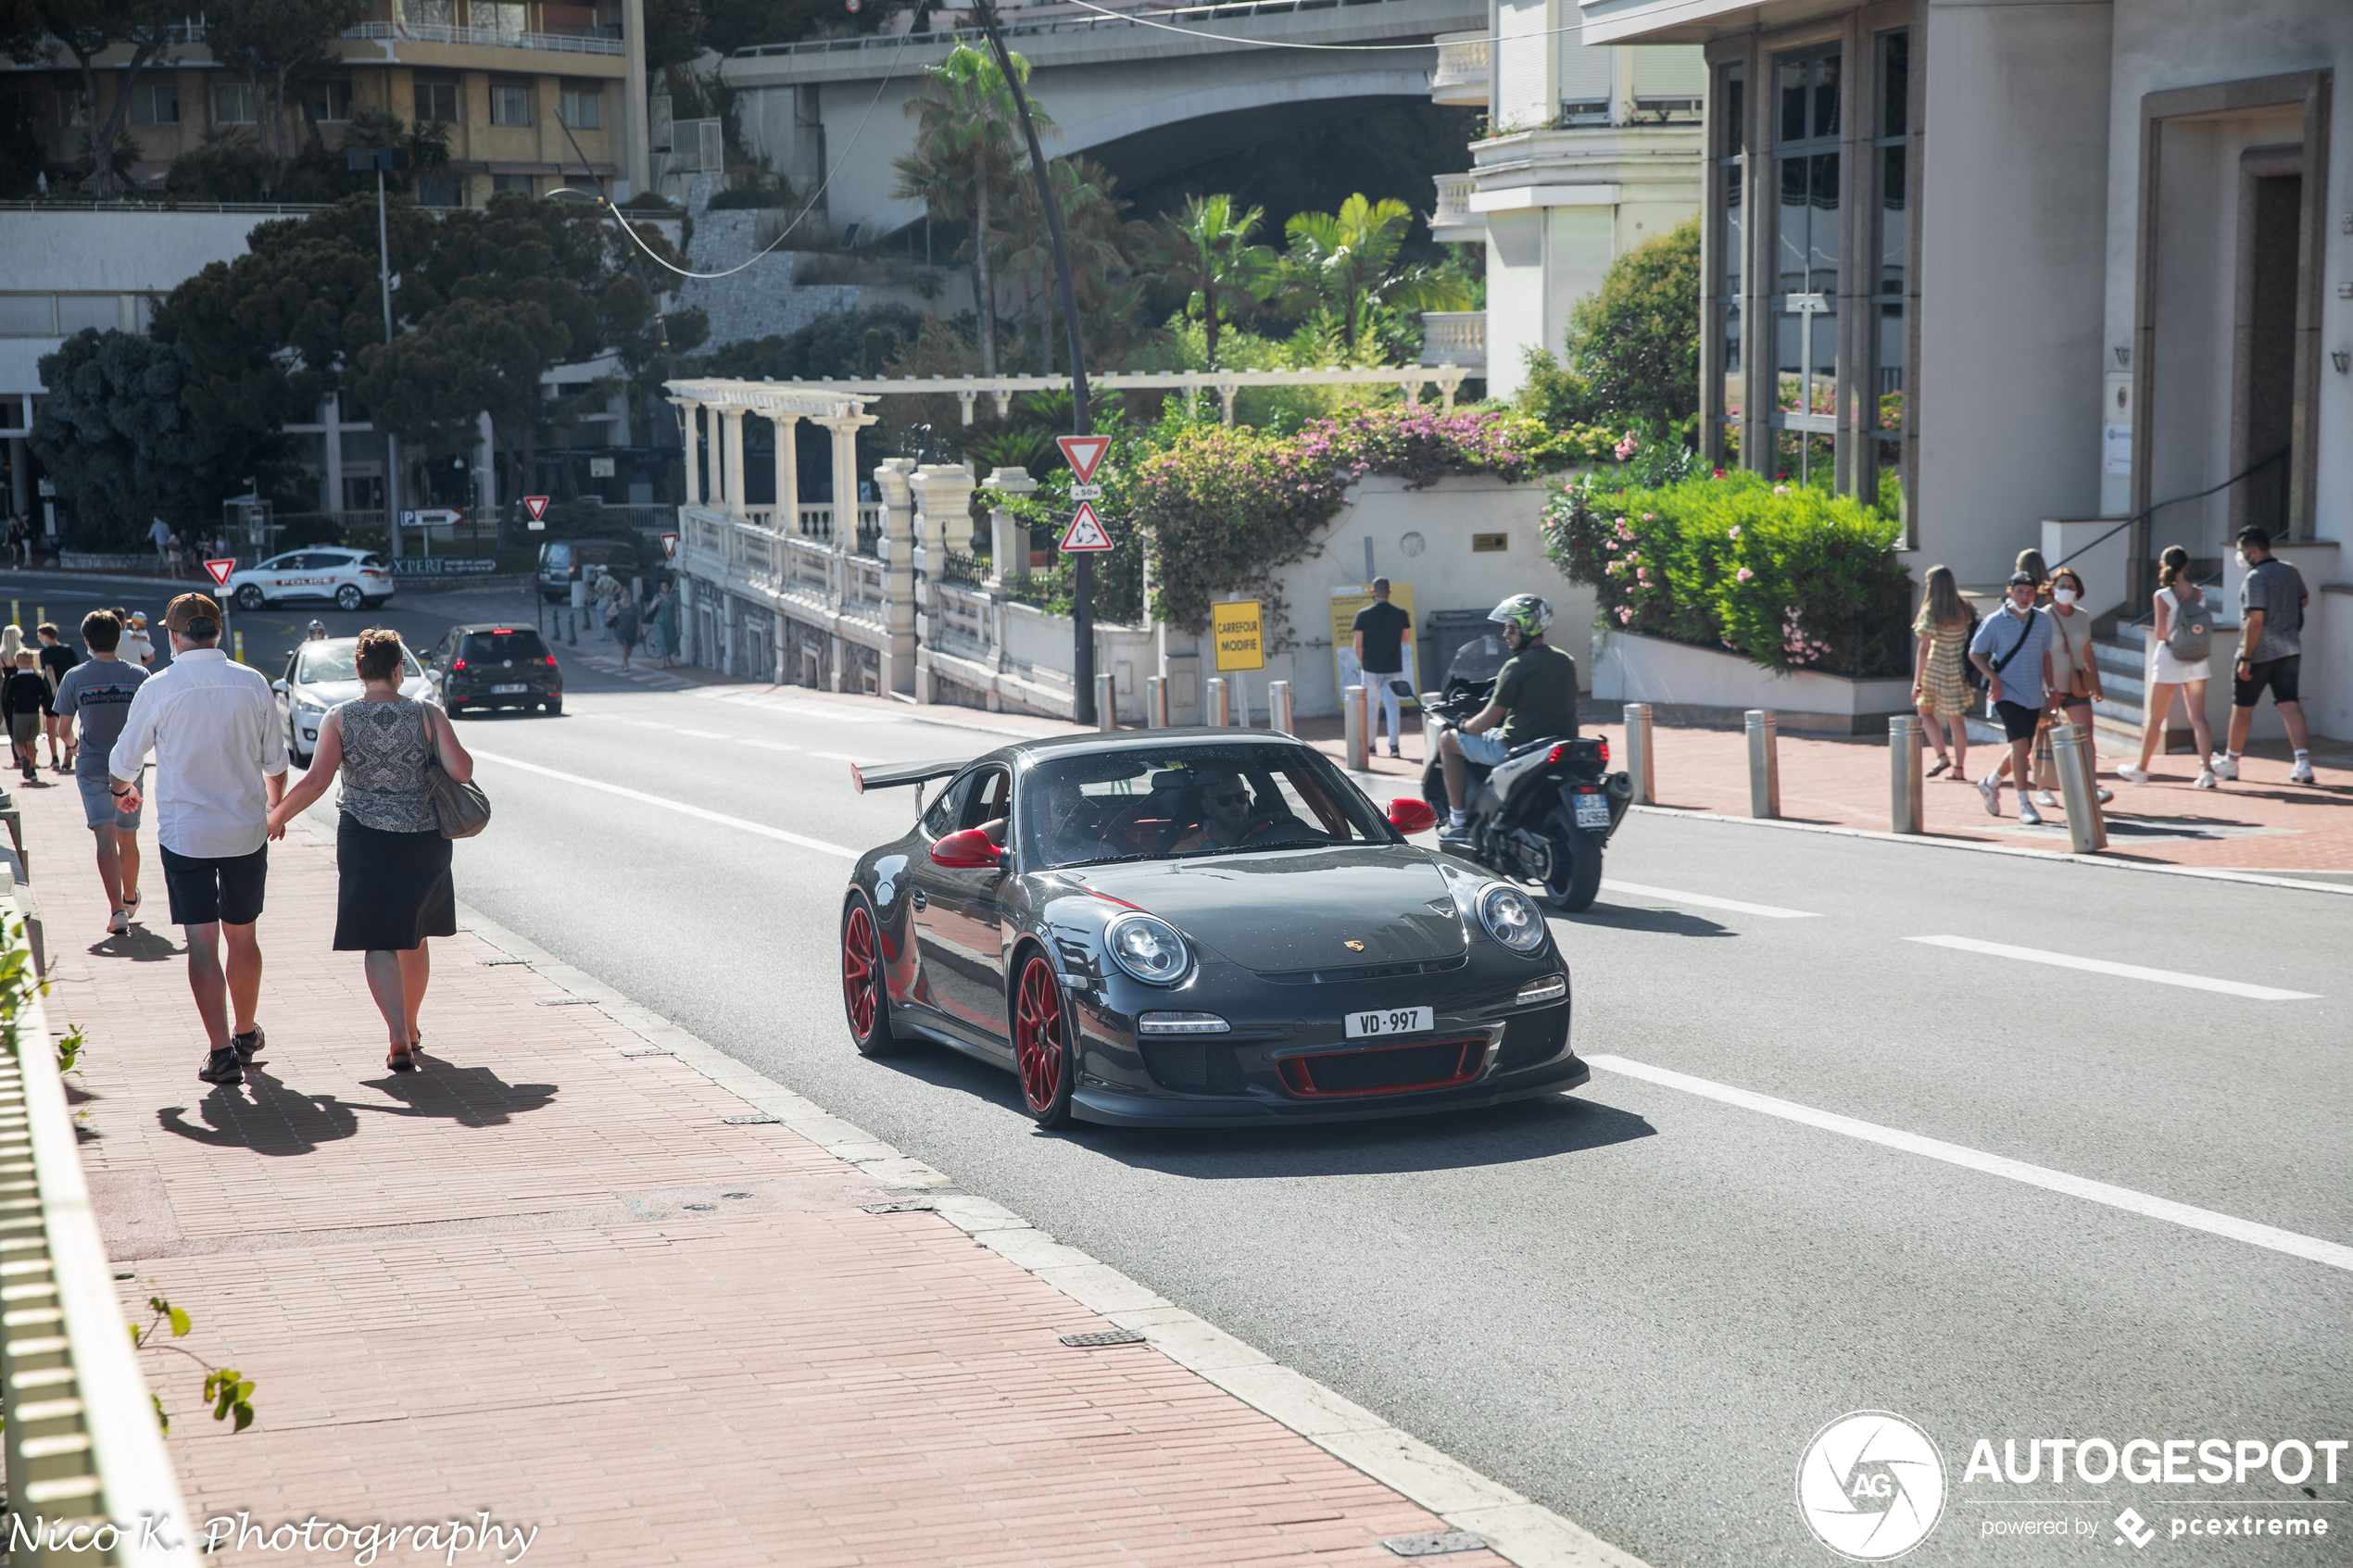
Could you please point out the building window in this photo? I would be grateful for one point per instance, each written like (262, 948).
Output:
(88, 312)
(154, 102)
(502, 17)
(510, 103)
(27, 315)
(519, 184)
(1803, 298)
(73, 106)
(582, 105)
(235, 103)
(1891, 249)
(437, 101)
(440, 188)
(1730, 166)
(330, 101)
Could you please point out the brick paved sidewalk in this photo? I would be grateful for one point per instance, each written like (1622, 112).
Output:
(550, 1281)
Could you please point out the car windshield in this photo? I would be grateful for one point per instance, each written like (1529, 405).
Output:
(1179, 801)
(1482, 659)
(332, 661)
(519, 642)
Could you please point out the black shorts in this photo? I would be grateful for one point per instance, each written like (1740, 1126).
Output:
(2277, 673)
(227, 889)
(2017, 722)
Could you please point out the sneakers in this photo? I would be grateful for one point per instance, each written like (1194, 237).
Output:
(1990, 786)
(221, 1067)
(2027, 815)
(2106, 796)
(2132, 775)
(2224, 765)
(248, 1046)
(2045, 797)
(2302, 772)
(117, 923)
(2206, 778)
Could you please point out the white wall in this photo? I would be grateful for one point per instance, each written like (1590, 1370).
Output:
(2012, 257)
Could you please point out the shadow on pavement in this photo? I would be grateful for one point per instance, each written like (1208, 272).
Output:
(264, 1116)
(469, 1097)
(1628, 917)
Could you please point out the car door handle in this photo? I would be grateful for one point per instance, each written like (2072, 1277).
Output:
(919, 898)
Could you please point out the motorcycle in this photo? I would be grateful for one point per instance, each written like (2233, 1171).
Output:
(1544, 814)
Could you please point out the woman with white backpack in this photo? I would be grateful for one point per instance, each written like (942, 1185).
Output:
(2180, 641)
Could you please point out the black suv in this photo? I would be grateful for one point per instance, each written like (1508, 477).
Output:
(491, 664)
(564, 562)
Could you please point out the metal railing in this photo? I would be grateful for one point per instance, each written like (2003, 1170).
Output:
(955, 566)
(486, 37)
(83, 1448)
(1191, 16)
(2278, 532)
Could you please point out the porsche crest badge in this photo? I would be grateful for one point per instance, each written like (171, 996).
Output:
(1352, 945)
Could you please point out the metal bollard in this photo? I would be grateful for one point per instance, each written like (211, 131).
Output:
(1106, 717)
(1352, 709)
(1155, 702)
(2072, 754)
(1278, 706)
(237, 646)
(1638, 754)
(1241, 703)
(1764, 763)
(1213, 702)
(1908, 808)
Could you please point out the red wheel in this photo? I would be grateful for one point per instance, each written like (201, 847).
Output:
(862, 979)
(1041, 1038)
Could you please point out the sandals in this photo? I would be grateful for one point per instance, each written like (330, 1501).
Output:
(401, 1061)
(1942, 764)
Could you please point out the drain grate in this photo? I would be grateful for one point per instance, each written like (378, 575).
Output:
(567, 1002)
(501, 963)
(735, 1195)
(646, 1050)
(1103, 1337)
(899, 1206)
(700, 1206)
(748, 1120)
(1433, 1546)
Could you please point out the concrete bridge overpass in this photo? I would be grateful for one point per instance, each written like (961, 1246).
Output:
(1144, 101)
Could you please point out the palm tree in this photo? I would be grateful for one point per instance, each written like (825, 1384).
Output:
(1101, 245)
(967, 151)
(1346, 262)
(1207, 253)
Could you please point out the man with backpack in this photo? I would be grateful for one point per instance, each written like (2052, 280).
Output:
(2013, 651)
(2271, 601)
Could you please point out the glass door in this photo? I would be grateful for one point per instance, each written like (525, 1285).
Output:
(1806, 283)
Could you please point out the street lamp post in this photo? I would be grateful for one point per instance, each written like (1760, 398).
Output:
(382, 159)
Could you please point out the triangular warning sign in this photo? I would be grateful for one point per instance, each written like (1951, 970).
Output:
(1085, 455)
(670, 547)
(537, 506)
(1086, 529)
(220, 570)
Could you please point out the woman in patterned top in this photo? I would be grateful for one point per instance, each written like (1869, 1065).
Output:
(1940, 689)
(392, 863)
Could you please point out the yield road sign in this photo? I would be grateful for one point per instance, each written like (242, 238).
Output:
(535, 508)
(1085, 455)
(670, 547)
(1085, 532)
(220, 570)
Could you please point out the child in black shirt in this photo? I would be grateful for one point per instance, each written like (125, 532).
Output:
(22, 696)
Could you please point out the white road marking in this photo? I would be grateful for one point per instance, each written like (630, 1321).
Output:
(2124, 970)
(706, 734)
(2311, 1248)
(772, 745)
(680, 807)
(1706, 901)
(837, 757)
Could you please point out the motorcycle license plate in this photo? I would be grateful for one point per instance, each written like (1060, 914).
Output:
(1592, 810)
(1391, 1021)
(518, 686)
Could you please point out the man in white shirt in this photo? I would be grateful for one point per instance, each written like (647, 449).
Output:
(220, 764)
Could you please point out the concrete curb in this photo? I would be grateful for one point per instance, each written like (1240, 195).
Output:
(1523, 1532)
(1931, 841)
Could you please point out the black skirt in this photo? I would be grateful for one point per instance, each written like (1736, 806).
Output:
(393, 888)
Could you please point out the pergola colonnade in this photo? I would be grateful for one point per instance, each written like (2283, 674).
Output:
(841, 412)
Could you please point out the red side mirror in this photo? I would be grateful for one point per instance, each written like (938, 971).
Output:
(969, 851)
(1409, 816)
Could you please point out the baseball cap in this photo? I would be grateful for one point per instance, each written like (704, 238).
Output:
(183, 612)
(2018, 580)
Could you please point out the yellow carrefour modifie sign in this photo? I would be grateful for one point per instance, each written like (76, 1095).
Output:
(1238, 629)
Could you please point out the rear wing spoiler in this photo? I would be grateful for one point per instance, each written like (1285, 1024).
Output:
(891, 775)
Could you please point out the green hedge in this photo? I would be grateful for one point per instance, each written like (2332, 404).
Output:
(1789, 576)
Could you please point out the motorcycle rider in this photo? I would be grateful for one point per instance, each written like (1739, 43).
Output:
(1535, 698)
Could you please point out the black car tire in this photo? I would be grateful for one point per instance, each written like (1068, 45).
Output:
(456, 710)
(249, 598)
(295, 754)
(348, 597)
(1042, 1032)
(865, 1000)
(554, 705)
(1571, 888)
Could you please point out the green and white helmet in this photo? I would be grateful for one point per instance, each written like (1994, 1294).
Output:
(1527, 612)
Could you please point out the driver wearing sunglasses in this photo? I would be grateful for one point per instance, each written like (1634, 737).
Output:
(1226, 816)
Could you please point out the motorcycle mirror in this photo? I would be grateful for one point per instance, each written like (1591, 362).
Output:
(966, 852)
(1409, 816)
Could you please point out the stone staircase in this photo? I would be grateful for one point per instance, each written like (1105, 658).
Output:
(2117, 717)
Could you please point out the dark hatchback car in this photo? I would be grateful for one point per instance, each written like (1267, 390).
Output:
(494, 665)
(1202, 928)
(564, 562)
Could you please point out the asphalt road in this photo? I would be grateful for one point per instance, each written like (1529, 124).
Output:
(1636, 1303)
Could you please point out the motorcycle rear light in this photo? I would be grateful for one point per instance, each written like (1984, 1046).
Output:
(1558, 754)
(1604, 742)
(460, 664)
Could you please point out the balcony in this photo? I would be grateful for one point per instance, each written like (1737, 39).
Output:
(1454, 220)
(1455, 337)
(486, 37)
(1461, 76)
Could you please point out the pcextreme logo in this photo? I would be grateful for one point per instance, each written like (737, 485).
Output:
(1871, 1485)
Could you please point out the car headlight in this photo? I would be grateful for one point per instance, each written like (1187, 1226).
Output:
(310, 704)
(1510, 919)
(1147, 947)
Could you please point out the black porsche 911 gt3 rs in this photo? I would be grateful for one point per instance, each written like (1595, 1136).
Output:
(1200, 927)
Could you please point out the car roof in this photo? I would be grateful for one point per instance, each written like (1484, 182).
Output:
(471, 626)
(1022, 752)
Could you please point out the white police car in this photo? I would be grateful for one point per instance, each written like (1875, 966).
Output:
(319, 675)
(353, 579)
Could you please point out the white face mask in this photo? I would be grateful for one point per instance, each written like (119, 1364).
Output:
(2242, 558)
(2064, 595)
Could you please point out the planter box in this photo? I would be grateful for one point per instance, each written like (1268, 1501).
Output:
(1701, 685)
